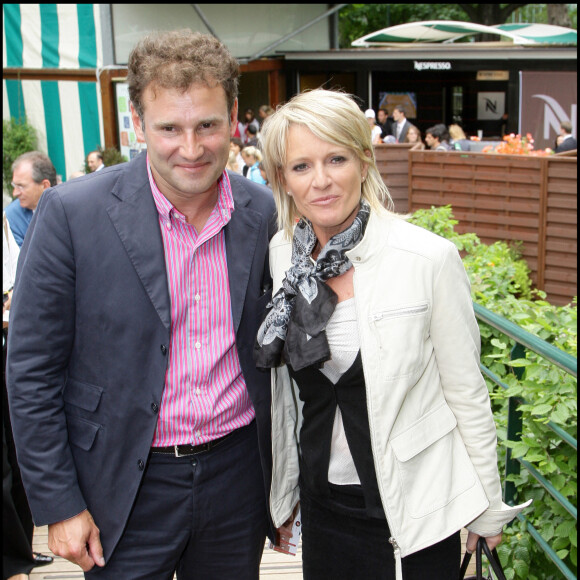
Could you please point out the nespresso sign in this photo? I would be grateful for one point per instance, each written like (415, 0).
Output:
(432, 65)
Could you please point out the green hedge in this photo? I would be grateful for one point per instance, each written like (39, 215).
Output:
(500, 282)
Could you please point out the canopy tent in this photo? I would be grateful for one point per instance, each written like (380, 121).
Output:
(65, 113)
(450, 30)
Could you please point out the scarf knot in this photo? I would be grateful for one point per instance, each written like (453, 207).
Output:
(294, 327)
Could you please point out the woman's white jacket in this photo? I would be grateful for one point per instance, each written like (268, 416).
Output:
(432, 431)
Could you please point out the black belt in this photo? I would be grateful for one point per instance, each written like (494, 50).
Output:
(185, 450)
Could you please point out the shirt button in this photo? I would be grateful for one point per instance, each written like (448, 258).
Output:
(168, 225)
(163, 350)
(198, 391)
(154, 407)
(197, 297)
(140, 464)
(198, 345)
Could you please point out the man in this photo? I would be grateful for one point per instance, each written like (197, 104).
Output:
(568, 142)
(400, 126)
(384, 122)
(437, 138)
(141, 421)
(95, 161)
(32, 174)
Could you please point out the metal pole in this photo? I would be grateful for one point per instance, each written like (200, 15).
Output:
(295, 32)
(204, 20)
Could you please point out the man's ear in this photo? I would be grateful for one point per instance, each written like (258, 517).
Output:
(234, 118)
(137, 124)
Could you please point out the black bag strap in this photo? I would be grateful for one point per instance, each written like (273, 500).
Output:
(492, 557)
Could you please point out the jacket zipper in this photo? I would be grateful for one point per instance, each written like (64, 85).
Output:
(397, 550)
(402, 312)
(398, 562)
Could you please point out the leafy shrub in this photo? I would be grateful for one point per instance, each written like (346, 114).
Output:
(18, 137)
(500, 282)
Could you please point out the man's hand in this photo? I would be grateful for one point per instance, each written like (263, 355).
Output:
(77, 540)
(471, 543)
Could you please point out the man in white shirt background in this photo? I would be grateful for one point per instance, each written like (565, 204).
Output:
(401, 125)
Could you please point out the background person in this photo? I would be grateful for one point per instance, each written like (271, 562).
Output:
(400, 124)
(414, 137)
(95, 161)
(375, 129)
(568, 142)
(458, 139)
(252, 157)
(437, 138)
(141, 422)
(374, 351)
(32, 173)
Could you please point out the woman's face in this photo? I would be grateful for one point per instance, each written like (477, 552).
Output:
(325, 181)
(413, 136)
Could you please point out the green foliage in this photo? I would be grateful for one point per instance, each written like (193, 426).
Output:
(356, 20)
(500, 282)
(18, 137)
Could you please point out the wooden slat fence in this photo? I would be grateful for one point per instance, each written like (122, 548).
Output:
(498, 197)
(511, 198)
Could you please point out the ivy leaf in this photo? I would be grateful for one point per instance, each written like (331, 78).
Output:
(541, 409)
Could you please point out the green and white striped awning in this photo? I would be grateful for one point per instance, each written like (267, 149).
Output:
(450, 30)
(66, 114)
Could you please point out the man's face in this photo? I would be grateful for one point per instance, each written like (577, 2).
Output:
(93, 161)
(382, 116)
(398, 115)
(26, 190)
(188, 138)
(430, 140)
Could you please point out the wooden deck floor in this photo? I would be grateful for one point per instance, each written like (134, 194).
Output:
(275, 566)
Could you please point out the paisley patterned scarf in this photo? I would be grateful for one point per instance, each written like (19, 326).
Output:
(294, 327)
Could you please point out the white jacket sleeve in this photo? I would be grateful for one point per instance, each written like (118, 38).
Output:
(456, 340)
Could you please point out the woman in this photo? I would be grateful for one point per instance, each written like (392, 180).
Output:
(252, 158)
(414, 137)
(382, 426)
(458, 139)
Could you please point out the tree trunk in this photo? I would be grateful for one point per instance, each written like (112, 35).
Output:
(558, 15)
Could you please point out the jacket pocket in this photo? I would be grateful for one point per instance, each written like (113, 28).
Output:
(81, 432)
(432, 461)
(83, 395)
(400, 333)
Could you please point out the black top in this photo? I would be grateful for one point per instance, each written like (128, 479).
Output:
(320, 397)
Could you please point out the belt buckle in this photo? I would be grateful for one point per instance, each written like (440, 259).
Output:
(177, 454)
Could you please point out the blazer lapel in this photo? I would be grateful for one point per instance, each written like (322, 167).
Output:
(136, 220)
(241, 235)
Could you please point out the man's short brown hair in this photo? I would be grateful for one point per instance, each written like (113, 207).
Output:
(176, 60)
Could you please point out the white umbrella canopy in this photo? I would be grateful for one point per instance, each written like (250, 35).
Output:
(449, 30)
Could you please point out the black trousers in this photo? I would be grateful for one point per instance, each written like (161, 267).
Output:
(17, 525)
(338, 545)
(204, 517)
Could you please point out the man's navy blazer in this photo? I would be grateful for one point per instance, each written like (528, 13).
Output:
(89, 337)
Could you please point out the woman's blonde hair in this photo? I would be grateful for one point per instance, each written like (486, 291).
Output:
(333, 117)
(456, 132)
(253, 151)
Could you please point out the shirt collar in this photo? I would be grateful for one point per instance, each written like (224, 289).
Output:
(224, 205)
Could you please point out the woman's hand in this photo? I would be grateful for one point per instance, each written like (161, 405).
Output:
(284, 532)
(471, 544)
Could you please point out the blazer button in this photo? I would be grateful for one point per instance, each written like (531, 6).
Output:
(154, 407)
(141, 465)
(163, 350)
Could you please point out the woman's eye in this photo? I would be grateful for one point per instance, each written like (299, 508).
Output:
(299, 167)
(338, 159)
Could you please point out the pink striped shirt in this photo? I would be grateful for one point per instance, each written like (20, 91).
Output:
(205, 395)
